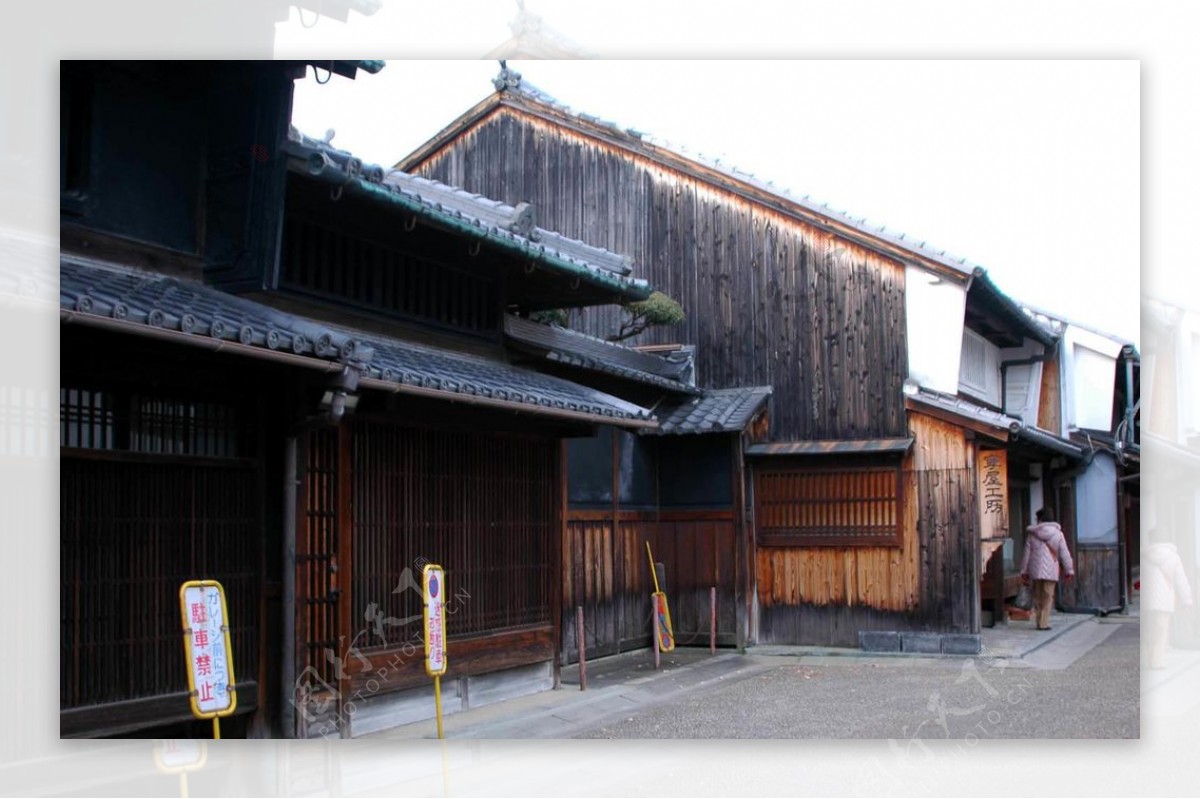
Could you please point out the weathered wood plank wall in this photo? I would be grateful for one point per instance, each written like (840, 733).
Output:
(483, 506)
(1098, 579)
(608, 573)
(825, 595)
(769, 299)
(1050, 399)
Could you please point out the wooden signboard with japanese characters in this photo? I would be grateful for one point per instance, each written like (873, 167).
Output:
(991, 468)
(208, 650)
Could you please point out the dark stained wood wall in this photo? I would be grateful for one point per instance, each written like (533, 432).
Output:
(769, 299)
(1098, 579)
(607, 572)
(379, 500)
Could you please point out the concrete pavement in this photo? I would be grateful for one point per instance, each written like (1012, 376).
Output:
(625, 687)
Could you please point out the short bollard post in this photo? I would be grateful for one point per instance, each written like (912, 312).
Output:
(712, 620)
(579, 636)
(654, 616)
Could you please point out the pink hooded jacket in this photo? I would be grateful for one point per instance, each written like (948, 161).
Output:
(1045, 547)
(1164, 583)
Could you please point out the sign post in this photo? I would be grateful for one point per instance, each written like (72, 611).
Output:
(433, 583)
(179, 756)
(209, 651)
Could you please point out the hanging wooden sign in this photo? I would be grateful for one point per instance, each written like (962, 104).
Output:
(991, 470)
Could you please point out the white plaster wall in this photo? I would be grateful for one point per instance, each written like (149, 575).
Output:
(935, 308)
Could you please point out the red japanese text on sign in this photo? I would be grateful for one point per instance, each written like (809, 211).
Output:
(206, 643)
(434, 579)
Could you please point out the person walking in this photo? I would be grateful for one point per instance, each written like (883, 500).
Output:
(1045, 550)
(1164, 586)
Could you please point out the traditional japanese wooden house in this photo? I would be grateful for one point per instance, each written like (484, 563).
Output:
(861, 503)
(1097, 409)
(676, 487)
(290, 371)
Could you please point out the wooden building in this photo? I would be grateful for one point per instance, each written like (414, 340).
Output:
(1098, 409)
(676, 487)
(292, 372)
(862, 503)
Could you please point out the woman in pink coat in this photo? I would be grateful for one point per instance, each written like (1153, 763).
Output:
(1045, 548)
(1164, 586)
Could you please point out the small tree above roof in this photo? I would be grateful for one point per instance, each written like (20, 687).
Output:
(657, 310)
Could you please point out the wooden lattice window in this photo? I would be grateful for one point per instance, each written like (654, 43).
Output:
(483, 507)
(155, 490)
(326, 262)
(104, 419)
(805, 506)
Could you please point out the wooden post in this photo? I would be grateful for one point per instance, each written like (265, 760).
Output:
(344, 567)
(712, 620)
(582, 650)
(561, 549)
(744, 557)
(654, 634)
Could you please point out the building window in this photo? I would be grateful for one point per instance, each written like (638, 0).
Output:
(326, 263)
(829, 506)
(979, 371)
(100, 419)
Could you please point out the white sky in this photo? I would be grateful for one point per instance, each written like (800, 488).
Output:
(1029, 168)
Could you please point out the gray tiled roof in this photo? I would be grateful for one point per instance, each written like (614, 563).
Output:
(1012, 426)
(869, 446)
(511, 81)
(1058, 324)
(588, 352)
(511, 227)
(91, 289)
(726, 410)
(985, 289)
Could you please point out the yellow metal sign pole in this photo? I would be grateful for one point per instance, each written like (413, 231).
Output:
(183, 792)
(216, 728)
(433, 583)
(437, 700)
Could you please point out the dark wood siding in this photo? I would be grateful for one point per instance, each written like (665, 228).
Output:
(608, 573)
(382, 499)
(1098, 579)
(160, 483)
(769, 299)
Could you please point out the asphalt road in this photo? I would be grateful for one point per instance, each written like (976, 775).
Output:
(1072, 690)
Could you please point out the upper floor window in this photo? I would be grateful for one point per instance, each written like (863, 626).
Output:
(104, 419)
(322, 261)
(979, 368)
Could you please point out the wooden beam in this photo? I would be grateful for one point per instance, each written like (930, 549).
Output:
(343, 578)
(561, 542)
(744, 552)
(123, 718)
(664, 515)
(984, 429)
(404, 668)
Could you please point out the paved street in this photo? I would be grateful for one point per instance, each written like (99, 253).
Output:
(1081, 685)
(1080, 682)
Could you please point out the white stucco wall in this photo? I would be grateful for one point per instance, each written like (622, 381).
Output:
(935, 308)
